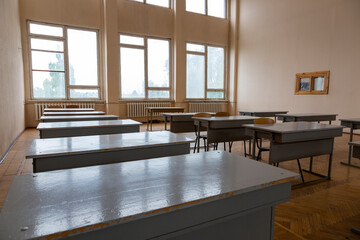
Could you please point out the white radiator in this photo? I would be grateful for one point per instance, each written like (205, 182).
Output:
(39, 107)
(206, 107)
(139, 109)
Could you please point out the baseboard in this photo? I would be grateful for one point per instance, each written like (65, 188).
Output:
(11, 146)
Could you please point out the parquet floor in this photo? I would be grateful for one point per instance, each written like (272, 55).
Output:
(322, 211)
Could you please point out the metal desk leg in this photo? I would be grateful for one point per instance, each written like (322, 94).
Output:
(165, 121)
(253, 146)
(311, 164)
(330, 122)
(350, 149)
(199, 126)
(355, 230)
(147, 120)
(151, 113)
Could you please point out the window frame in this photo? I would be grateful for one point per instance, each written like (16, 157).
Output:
(66, 71)
(207, 10)
(312, 76)
(147, 88)
(145, 2)
(205, 54)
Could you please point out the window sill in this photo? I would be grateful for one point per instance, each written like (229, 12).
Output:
(206, 100)
(30, 101)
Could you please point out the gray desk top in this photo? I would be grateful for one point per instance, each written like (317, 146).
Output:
(354, 120)
(85, 117)
(275, 112)
(305, 115)
(86, 124)
(91, 144)
(73, 113)
(183, 114)
(226, 119)
(356, 143)
(292, 127)
(69, 202)
(68, 109)
(165, 108)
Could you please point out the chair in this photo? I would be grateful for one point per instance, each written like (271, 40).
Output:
(197, 130)
(72, 106)
(54, 106)
(223, 114)
(262, 149)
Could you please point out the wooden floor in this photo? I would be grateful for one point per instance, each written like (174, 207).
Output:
(323, 211)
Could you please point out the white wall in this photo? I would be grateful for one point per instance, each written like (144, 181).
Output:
(11, 75)
(279, 38)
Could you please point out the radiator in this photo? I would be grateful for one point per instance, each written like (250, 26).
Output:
(39, 107)
(139, 109)
(206, 107)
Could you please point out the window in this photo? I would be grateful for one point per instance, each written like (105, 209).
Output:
(214, 8)
(144, 67)
(205, 71)
(161, 3)
(312, 83)
(64, 62)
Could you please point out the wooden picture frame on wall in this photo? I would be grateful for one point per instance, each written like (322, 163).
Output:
(315, 83)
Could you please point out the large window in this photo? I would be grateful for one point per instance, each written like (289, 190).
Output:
(205, 71)
(144, 67)
(161, 3)
(63, 62)
(214, 8)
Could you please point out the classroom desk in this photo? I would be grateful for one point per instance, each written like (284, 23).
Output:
(224, 129)
(180, 122)
(306, 117)
(86, 128)
(73, 113)
(262, 113)
(295, 140)
(151, 110)
(353, 124)
(212, 195)
(78, 118)
(63, 153)
(68, 109)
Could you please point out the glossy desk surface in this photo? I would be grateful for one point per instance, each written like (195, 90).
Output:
(293, 127)
(68, 109)
(86, 124)
(73, 113)
(353, 120)
(226, 119)
(305, 115)
(260, 112)
(356, 144)
(78, 118)
(97, 143)
(164, 108)
(69, 202)
(182, 114)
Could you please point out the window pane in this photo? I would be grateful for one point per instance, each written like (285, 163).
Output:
(195, 76)
(84, 93)
(139, 41)
(162, 3)
(132, 73)
(47, 61)
(215, 95)
(46, 30)
(159, 94)
(48, 84)
(216, 8)
(158, 63)
(215, 68)
(305, 84)
(83, 58)
(195, 47)
(42, 44)
(319, 83)
(196, 6)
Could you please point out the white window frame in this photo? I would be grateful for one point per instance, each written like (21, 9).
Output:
(147, 88)
(206, 89)
(206, 10)
(66, 71)
(145, 2)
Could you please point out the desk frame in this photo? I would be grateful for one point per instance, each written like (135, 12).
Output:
(353, 125)
(151, 110)
(309, 118)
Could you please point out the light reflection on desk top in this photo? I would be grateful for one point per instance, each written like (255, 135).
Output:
(305, 115)
(290, 127)
(48, 113)
(78, 200)
(68, 109)
(224, 119)
(91, 144)
(78, 117)
(87, 124)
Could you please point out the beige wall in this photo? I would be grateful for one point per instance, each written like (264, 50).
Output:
(11, 75)
(279, 38)
(112, 17)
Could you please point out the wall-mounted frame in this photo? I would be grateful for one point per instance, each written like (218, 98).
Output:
(316, 83)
